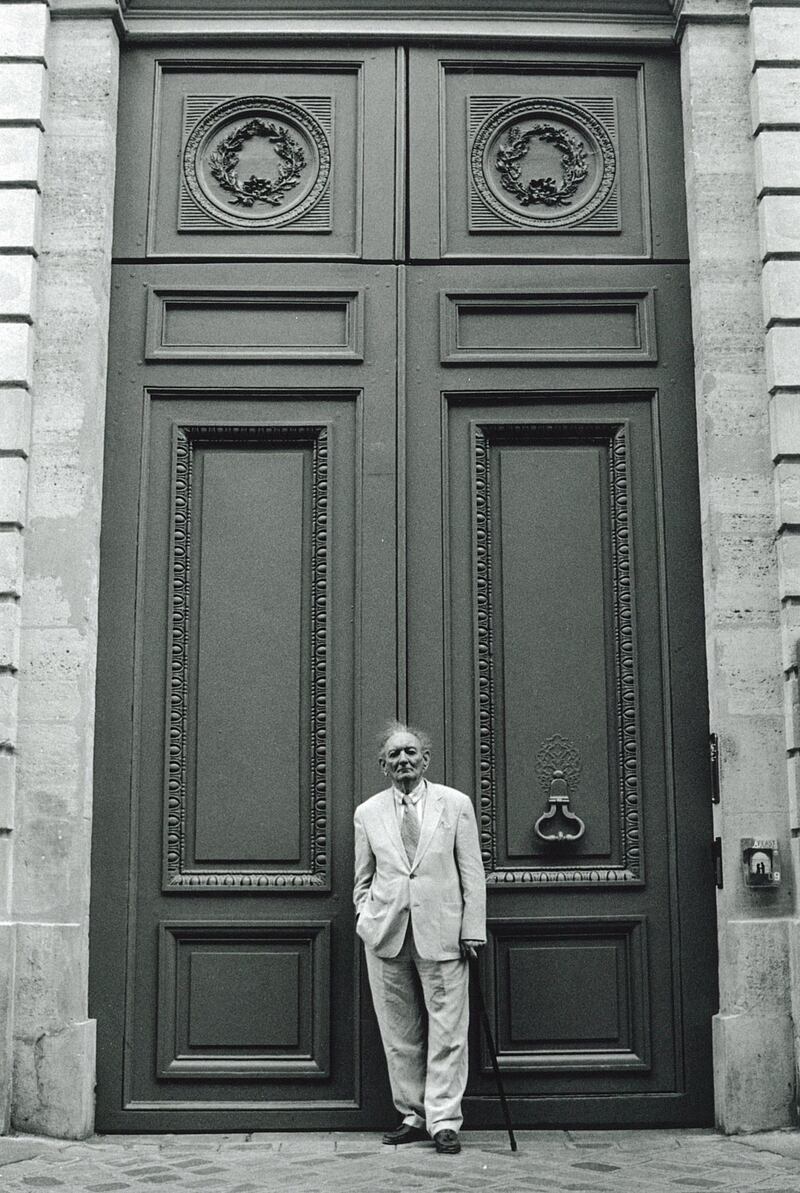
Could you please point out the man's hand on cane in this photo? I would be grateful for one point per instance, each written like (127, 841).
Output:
(469, 948)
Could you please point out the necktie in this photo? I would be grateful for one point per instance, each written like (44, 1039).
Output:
(409, 829)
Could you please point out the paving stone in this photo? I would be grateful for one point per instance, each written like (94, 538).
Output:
(547, 1162)
(595, 1166)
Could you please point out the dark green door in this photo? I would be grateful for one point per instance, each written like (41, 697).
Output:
(400, 421)
(248, 655)
(552, 568)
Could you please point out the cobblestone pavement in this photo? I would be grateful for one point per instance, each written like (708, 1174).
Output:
(590, 1161)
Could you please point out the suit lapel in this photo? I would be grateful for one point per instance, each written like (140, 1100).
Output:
(389, 818)
(433, 814)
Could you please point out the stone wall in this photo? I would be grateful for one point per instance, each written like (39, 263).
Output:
(59, 76)
(751, 607)
(23, 103)
(775, 123)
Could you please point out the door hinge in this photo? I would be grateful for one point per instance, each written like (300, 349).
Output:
(716, 856)
(713, 758)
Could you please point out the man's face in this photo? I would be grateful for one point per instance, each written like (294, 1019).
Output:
(404, 760)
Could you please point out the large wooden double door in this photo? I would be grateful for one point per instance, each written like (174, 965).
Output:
(400, 422)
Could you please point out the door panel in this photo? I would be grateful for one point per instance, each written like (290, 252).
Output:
(260, 495)
(273, 153)
(546, 508)
(543, 155)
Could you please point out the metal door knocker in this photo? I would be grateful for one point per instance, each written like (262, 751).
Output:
(559, 768)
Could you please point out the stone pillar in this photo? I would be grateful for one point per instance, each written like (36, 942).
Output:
(744, 574)
(775, 103)
(23, 98)
(51, 744)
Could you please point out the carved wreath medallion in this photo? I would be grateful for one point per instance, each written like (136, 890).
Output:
(568, 138)
(542, 190)
(224, 161)
(257, 162)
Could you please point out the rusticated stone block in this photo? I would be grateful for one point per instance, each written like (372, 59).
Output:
(21, 155)
(779, 224)
(23, 30)
(7, 961)
(61, 888)
(775, 96)
(777, 159)
(15, 421)
(8, 791)
(9, 700)
(54, 1082)
(790, 632)
(11, 575)
(792, 711)
(50, 977)
(789, 563)
(753, 752)
(775, 34)
(748, 1047)
(13, 481)
(784, 424)
(16, 354)
(754, 964)
(787, 496)
(9, 632)
(780, 282)
(23, 91)
(19, 220)
(794, 795)
(18, 285)
(783, 357)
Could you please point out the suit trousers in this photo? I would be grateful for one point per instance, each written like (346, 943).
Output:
(422, 1009)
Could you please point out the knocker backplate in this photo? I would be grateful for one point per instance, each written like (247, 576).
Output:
(552, 130)
(249, 135)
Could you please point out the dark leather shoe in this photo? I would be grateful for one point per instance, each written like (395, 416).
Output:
(447, 1142)
(405, 1134)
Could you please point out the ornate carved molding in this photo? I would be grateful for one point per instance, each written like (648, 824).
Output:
(178, 869)
(628, 869)
(224, 161)
(651, 27)
(546, 191)
(583, 136)
(216, 189)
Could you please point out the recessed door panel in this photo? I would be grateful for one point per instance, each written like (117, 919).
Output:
(258, 154)
(542, 155)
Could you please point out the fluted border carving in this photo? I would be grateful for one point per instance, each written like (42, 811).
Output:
(629, 868)
(177, 873)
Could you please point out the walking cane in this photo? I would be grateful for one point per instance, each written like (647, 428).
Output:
(487, 1031)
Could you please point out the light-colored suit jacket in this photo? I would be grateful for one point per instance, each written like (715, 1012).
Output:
(444, 890)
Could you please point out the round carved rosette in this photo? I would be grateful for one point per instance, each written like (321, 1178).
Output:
(543, 163)
(257, 162)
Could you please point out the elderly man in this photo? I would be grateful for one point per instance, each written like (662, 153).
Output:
(420, 898)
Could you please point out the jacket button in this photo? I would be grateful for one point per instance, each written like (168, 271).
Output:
(412, 876)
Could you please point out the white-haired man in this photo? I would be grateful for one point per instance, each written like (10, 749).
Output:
(420, 897)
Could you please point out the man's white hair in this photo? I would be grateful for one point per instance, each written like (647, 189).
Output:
(392, 727)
